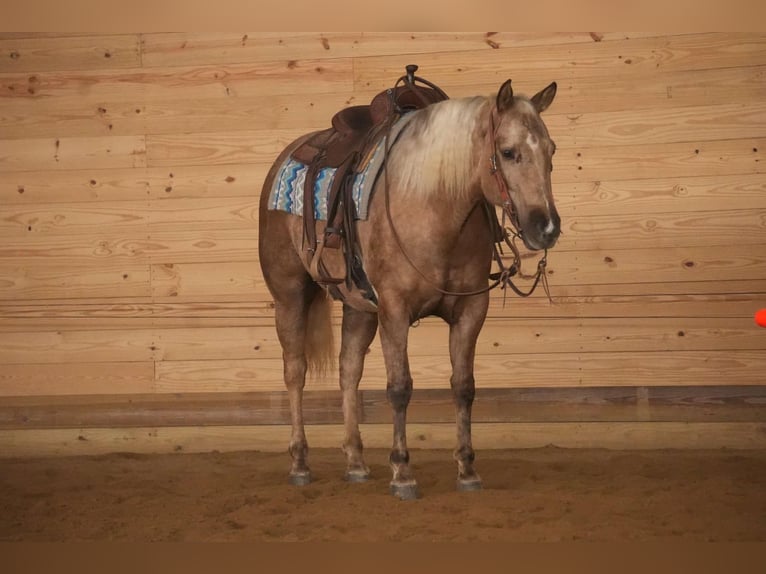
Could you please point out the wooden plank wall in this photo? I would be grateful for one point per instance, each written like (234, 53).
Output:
(131, 299)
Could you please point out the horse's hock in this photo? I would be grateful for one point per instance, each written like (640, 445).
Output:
(134, 316)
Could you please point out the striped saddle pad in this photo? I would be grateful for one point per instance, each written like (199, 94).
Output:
(287, 189)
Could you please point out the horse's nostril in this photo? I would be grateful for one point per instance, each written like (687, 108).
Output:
(547, 228)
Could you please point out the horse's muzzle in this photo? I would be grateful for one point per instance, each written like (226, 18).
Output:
(542, 232)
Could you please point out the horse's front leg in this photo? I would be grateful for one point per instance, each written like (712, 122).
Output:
(357, 334)
(394, 330)
(464, 332)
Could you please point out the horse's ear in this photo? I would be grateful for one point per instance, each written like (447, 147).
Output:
(542, 99)
(505, 96)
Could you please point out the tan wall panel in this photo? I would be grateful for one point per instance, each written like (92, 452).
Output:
(107, 249)
(665, 125)
(78, 53)
(521, 370)
(190, 216)
(208, 280)
(597, 99)
(660, 89)
(67, 442)
(660, 196)
(723, 287)
(96, 185)
(193, 263)
(72, 153)
(130, 247)
(616, 231)
(249, 311)
(499, 336)
(618, 58)
(129, 265)
(25, 280)
(568, 267)
(702, 158)
(619, 266)
(712, 157)
(219, 148)
(229, 245)
(76, 347)
(139, 85)
(645, 305)
(196, 48)
(92, 218)
(76, 378)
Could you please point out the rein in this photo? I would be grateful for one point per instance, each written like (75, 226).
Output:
(502, 233)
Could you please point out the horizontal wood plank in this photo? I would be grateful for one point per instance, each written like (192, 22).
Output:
(42, 316)
(273, 438)
(105, 346)
(218, 148)
(76, 378)
(671, 230)
(181, 48)
(134, 247)
(662, 196)
(597, 266)
(586, 109)
(632, 57)
(51, 281)
(72, 53)
(631, 162)
(742, 84)
(138, 85)
(173, 281)
(499, 336)
(681, 368)
(588, 404)
(572, 164)
(144, 216)
(72, 153)
(674, 107)
(144, 219)
(658, 126)
(97, 185)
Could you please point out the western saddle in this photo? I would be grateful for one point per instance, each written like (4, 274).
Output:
(347, 147)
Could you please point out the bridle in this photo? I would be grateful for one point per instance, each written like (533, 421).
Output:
(509, 236)
(502, 233)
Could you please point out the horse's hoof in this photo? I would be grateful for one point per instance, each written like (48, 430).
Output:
(405, 490)
(300, 478)
(357, 476)
(469, 484)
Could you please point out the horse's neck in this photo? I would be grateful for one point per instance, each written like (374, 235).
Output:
(461, 205)
(441, 207)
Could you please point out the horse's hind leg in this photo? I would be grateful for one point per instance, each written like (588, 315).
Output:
(464, 332)
(358, 332)
(291, 319)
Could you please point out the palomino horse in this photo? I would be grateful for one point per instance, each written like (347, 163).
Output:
(427, 248)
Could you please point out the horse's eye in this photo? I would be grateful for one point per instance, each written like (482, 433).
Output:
(509, 153)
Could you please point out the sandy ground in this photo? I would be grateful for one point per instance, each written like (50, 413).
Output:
(530, 495)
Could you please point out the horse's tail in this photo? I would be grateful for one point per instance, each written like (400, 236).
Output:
(320, 343)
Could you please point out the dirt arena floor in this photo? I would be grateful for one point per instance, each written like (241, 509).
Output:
(545, 494)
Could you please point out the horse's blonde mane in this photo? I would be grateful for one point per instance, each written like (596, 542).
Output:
(435, 152)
